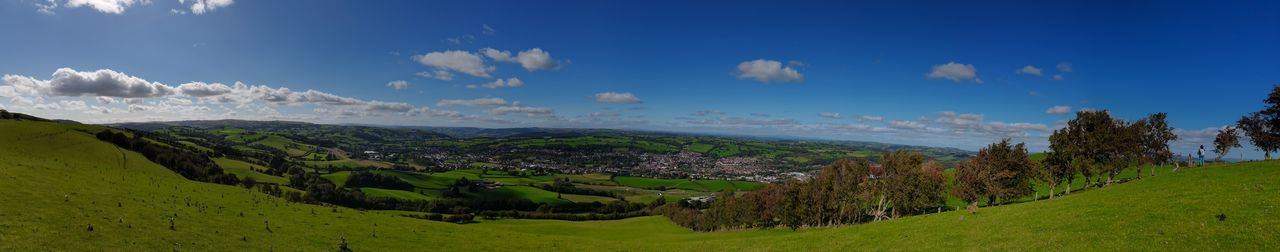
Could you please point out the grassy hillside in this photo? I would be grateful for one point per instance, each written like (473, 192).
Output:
(58, 181)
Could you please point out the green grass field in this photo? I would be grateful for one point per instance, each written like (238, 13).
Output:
(57, 182)
(241, 169)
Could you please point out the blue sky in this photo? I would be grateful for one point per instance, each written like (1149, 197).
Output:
(939, 73)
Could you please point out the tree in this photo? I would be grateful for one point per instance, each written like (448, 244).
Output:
(1096, 144)
(1154, 137)
(1227, 138)
(1256, 128)
(1263, 127)
(1053, 170)
(908, 185)
(971, 183)
(1010, 170)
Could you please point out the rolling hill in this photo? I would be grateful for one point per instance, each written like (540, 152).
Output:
(59, 182)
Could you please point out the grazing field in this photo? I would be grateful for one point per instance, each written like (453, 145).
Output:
(67, 180)
(242, 169)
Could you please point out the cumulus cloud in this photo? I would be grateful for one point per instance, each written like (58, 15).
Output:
(766, 71)
(511, 83)
(616, 97)
(480, 102)
(1058, 110)
(867, 118)
(1031, 70)
(520, 109)
(199, 7)
(103, 82)
(398, 84)
(955, 72)
(532, 60)
(201, 89)
(105, 6)
(954, 120)
(460, 61)
(496, 54)
(832, 115)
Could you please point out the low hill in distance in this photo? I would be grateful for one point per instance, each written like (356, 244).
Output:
(65, 190)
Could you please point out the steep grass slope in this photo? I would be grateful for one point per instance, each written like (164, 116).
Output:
(55, 182)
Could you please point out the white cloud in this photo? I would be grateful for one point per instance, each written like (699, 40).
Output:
(832, 115)
(536, 59)
(1058, 110)
(1058, 77)
(459, 61)
(201, 89)
(766, 71)
(440, 74)
(398, 84)
(955, 72)
(959, 120)
(615, 97)
(512, 83)
(46, 7)
(201, 6)
(105, 6)
(532, 60)
(106, 100)
(911, 125)
(496, 55)
(867, 118)
(1065, 67)
(178, 101)
(103, 82)
(1032, 70)
(472, 102)
(520, 109)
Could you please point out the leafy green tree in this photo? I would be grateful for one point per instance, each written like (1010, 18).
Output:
(911, 187)
(1226, 139)
(1096, 143)
(1263, 127)
(1154, 137)
(972, 183)
(1053, 170)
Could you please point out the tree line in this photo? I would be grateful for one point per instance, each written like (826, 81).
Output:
(191, 165)
(851, 191)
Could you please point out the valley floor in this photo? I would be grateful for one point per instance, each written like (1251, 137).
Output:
(56, 183)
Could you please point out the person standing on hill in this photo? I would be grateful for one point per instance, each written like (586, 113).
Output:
(1201, 155)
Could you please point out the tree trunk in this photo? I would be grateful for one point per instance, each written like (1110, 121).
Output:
(1051, 187)
(1139, 171)
(1068, 187)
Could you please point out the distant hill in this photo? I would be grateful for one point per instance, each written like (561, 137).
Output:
(58, 181)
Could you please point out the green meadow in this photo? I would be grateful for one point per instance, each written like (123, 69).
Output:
(65, 181)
